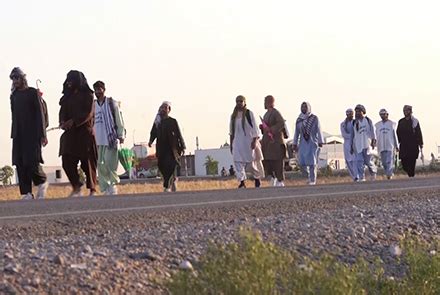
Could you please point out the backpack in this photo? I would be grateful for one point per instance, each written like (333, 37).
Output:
(248, 117)
(112, 109)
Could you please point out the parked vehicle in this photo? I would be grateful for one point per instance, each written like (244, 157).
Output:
(148, 173)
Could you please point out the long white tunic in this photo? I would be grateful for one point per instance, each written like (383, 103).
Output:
(386, 136)
(100, 131)
(347, 134)
(241, 145)
(363, 134)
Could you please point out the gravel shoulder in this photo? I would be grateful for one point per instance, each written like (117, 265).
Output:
(134, 252)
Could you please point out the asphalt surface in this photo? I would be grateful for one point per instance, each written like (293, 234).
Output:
(24, 211)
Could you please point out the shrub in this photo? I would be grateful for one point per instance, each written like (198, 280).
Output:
(252, 266)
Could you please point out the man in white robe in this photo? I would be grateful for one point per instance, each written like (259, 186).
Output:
(347, 133)
(307, 142)
(109, 129)
(245, 145)
(364, 140)
(386, 142)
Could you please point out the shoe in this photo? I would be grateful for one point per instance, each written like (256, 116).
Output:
(312, 182)
(242, 184)
(167, 190)
(280, 183)
(174, 186)
(42, 189)
(362, 180)
(257, 183)
(111, 190)
(27, 196)
(76, 192)
(92, 193)
(273, 181)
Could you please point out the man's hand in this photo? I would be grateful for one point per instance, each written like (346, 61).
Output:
(320, 145)
(67, 125)
(44, 141)
(373, 144)
(295, 147)
(150, 144)
(254, 143)
(121, 140)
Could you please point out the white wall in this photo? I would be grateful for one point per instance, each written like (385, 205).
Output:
(331, 152)
(51, 174)
(222, 155)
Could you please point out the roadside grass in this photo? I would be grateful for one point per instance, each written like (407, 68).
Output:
(155, 186)
(253, 266)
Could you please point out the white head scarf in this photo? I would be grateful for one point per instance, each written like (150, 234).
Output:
(415, 122)
(303, 116)
(158, 118)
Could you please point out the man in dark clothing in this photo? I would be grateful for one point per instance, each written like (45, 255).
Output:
(170, 145)
(77, 143)
(28, 135)
(231, 171)
(410, 139)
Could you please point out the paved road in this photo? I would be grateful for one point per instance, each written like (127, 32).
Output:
(125, 204)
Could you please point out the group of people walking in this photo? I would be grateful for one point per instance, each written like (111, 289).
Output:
(360, 136)
(93, 129)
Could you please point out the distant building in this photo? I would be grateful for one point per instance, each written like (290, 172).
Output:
(187, 166)
(332, 152)
(141, 150)
(55, 174)
(222, 155)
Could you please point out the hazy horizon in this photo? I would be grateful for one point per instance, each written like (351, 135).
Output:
(201, 54)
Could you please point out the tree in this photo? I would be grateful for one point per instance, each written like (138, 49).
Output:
(6, 174)
(211, 166)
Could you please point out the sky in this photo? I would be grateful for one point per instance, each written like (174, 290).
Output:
(201, 54)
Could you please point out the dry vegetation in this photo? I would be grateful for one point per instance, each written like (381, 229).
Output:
(155, 186)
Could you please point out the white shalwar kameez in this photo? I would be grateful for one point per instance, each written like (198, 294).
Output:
(242, 153)
(362, 136)
(386, 144)
(349, 154)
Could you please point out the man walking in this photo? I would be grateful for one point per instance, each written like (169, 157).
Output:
(273, 145)
(410, 138)
(245, 146)
(386, 142)
(28, 135)
(77, 143)
(109, 129)
(347, 133)
(170, 145)
(363, 138)
(308, 134)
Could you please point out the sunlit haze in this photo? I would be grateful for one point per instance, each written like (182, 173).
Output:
(201, 54)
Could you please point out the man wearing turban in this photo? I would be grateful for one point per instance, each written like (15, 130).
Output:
(28, 135)
(410, 139)
(347, 133)
(170, 145)
(364, 139)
